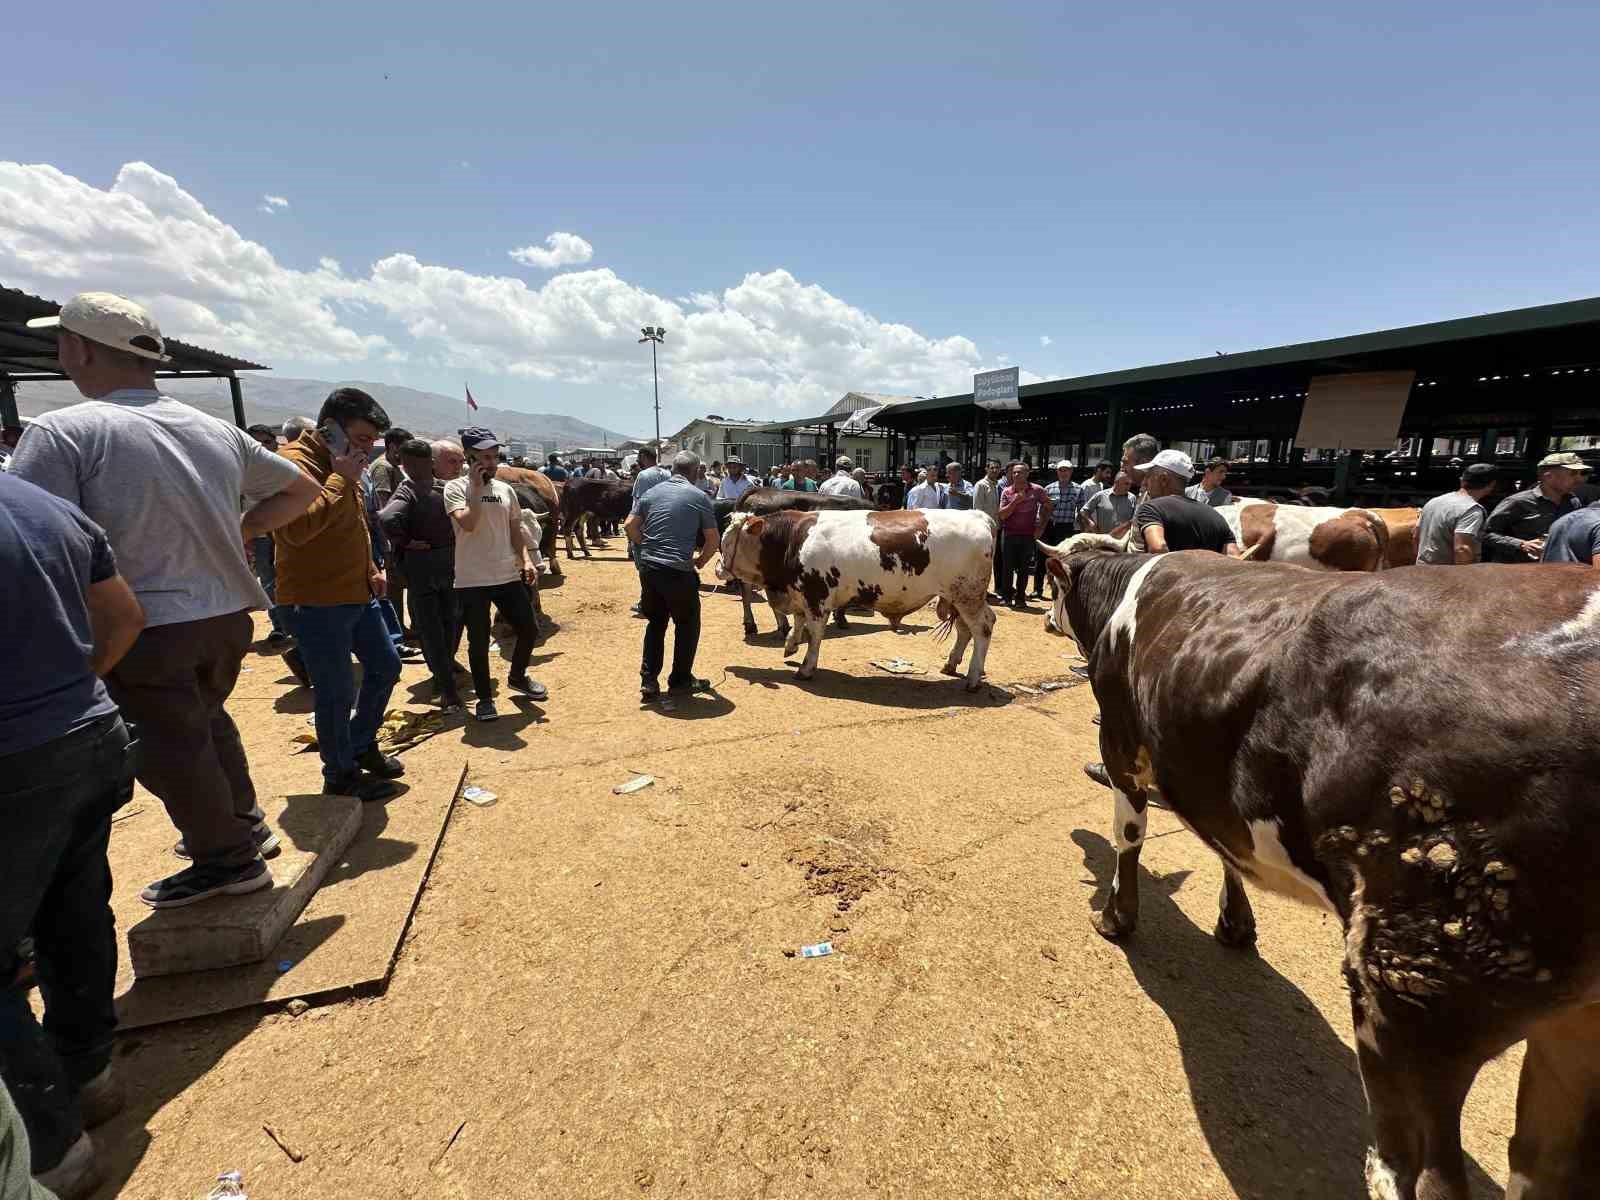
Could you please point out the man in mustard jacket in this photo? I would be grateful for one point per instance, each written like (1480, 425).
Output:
(330, 588)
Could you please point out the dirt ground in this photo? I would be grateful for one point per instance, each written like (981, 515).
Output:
(597, 998)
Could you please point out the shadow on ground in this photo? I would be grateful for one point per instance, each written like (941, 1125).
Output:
(933, 690)
(1277, 1094)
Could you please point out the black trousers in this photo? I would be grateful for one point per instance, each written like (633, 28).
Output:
(1055, 534)
(1017, 551)
(512, 600)
(673, 594)
(56, 802)
(999, 566)
(435, 613)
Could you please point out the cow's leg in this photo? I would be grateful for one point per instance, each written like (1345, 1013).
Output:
(1555, 1152)
(749, 616)
(783, 617)
(952, 665)
(1121, 912)
(838, 618)
(981, 620)
(794, 635)
(584, 520)
(816, 624)
(1236, 923)
(547, 544)
(566, 532)
(1415, 1088)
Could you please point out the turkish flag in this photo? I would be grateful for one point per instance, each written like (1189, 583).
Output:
(471, 403)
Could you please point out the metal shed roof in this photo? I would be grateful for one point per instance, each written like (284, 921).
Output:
(30, 354)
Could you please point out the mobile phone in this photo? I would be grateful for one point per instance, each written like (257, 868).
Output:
(334, 438)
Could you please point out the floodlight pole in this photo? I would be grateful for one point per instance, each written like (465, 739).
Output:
(653, 334)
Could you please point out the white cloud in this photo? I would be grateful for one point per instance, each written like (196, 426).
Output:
(559, 250)
(768, 342)
(1044, 339)
(271, 204)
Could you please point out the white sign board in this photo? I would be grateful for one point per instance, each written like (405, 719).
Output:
(996, 389)
(1359, 411)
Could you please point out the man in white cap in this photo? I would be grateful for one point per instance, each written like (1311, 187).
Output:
(842, 482)
(1169, 520)
(1066, 498)
(164, 480)
(735, 483)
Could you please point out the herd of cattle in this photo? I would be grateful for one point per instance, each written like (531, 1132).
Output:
(1415, 751)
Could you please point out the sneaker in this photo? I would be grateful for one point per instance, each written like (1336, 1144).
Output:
(1097, 772)
(486, 711)
(690, 685)
(449, 704)
(376, 762)
(408, 653)
(101, 1098)
(203, 881)
(361, 787)
(266, 842)
(649, 692)
(530, 688)
(77, 1173)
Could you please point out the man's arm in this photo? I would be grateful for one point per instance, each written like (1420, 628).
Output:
(1007, 507)
(466, 518)
(395, 517)
(1232, 550)
(1155, 537)
(1496, 535)
(311, 522)
(634, 525)
(277, 511)
(116, 618)
(1043, 510)
(713, 542)
(1466, 549)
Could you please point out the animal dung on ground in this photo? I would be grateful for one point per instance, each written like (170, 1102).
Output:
(637, 783)
(899, 666)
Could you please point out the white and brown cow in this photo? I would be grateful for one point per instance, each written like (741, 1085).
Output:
(810, 563)
(1418, 752)
(1324, 539)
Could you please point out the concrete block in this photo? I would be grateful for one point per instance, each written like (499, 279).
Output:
(230, 930)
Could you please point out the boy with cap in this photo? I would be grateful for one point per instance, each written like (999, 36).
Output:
(1516, 529)
(492, 565)
(164, 480)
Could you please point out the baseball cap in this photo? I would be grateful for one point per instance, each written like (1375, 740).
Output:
(479, 438)
(1479, 475)
(1175, 461)
(111, 321)
(1565, 459)
(1065, 462)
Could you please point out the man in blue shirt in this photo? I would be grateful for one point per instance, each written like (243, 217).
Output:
(1574, 537)
(66, 767)
(666, 525)
(649, 475)
(554, 470)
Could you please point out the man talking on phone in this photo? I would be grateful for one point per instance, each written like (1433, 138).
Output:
(492, 565)
(331, 586)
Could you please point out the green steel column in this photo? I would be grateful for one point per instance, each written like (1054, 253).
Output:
(238, 400)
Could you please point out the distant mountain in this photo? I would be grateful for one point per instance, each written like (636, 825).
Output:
(270, 399)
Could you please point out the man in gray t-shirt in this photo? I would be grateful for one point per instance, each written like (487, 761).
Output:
(1450, 529)
(665, 526)
(164, 481)
(1109, 508)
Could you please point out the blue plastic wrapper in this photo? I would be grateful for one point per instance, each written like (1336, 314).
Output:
(817, 951)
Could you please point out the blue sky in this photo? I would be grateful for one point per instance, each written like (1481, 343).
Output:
(914, 191)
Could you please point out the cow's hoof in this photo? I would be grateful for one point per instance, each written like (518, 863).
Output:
(751, 630)
(803, 676)
(1239, 937)
(1111, 925)
(952, 669)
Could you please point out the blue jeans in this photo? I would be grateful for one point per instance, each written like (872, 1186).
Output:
(328, 635)
(263, 552)
(56, 802)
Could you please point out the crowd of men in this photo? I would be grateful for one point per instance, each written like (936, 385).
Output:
(137, 536)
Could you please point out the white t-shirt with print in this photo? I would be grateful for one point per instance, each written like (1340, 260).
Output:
(484, 556)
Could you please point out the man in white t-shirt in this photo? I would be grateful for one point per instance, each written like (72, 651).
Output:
(842, 483)
(928, 493)
(735, 483)
(493, 566)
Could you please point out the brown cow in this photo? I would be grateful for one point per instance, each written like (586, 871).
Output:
(537, 491)
(1324, 539)
(1402, 526)
(1359, 750)
(607, 499)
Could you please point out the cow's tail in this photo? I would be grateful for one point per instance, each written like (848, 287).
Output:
(946, 613)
